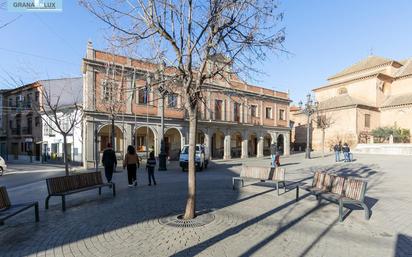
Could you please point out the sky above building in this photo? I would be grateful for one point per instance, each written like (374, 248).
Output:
(322, 38)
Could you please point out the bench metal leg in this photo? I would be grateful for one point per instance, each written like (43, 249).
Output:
(114, 189)
(284, 186)
(297, 193)
(46, 204)
(233, 182)
(36, 212)
(100, 190)
(367, 212)
(63, 202)
(340, 210)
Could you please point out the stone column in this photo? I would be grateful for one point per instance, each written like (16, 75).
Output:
(208, 143)
(245, 148)
(260, 146)
(127, 133)
(226, 147)
(286, 144)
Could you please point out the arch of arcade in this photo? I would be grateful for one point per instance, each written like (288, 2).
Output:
(236, 120)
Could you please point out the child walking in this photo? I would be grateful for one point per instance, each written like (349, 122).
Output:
(150, 166)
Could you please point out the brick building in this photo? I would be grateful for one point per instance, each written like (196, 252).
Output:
(23, 134)
(235, 120)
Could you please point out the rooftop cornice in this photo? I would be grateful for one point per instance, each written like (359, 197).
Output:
(143, 71)
(374, 75)
(392, 62)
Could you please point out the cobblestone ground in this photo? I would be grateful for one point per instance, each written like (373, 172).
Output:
(253, 221)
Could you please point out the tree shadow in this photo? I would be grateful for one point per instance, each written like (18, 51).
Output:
(403, 246)
(196, 249)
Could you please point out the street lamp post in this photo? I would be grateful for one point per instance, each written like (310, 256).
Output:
(163, 92)
(309, 108)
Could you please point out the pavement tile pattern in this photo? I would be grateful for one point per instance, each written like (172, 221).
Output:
(252, 221)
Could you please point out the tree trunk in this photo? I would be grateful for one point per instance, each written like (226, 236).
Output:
(113, 135)
(190, 211)
(323, 142)
(66, 163)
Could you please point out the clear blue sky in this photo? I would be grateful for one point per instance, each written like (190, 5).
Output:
(323, 36)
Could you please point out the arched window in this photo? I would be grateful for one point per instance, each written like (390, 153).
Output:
(342, 90)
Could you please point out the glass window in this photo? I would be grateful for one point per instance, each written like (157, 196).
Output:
(172, 100)
(218, 109)
(143, 95)
(253, 111)
(282, 115)
(109, 91)
(367, 120)
(236, 112)
(268, 113)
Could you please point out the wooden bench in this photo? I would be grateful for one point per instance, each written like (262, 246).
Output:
(337, 189)
(66, 185)
(8, 210)
(276, 175)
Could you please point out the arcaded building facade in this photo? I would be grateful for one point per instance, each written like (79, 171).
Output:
(375, 92)
(236, 120)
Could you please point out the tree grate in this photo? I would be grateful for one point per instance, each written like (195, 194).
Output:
(202, 218)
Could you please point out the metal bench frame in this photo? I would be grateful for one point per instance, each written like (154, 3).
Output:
(77, 190)
(276, 175)
(11, 210)
(325, 192)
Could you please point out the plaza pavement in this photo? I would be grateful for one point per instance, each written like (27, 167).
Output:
(253, 221)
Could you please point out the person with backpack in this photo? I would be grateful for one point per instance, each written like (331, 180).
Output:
(273, 151)
(109, 161)
(150, 166)
(131, 162)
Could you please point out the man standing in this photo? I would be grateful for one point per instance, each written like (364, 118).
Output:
(109, 162)
(337, 154)
(273, 151)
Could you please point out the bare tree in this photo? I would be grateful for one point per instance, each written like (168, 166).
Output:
(61, 116)
(323, 122)
(200, 41)
(5, 24)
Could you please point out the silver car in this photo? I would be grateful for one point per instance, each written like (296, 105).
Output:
(3, 166)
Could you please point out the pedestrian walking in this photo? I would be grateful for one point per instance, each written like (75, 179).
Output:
(346, 152)
(131, 162)
(340, 148)
(109, 162)
(273, 150)
(277, 158)
(150, 166)
(337, 152)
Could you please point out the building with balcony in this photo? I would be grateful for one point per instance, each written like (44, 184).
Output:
(24, 126)
(236, 120)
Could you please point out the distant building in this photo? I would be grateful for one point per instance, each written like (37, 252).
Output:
(372, 93)
(25, 138)
(236, 120)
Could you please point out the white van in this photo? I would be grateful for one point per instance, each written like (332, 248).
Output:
(201, 157)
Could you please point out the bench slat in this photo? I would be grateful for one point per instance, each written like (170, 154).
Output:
(355, 189)
(337, 185)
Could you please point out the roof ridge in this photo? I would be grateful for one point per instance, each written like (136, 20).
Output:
(374, 61)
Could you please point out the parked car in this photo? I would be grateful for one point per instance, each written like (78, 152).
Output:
(201, 157)
(3, 166)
